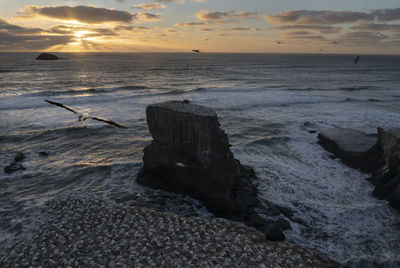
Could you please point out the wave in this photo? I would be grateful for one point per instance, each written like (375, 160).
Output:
(355, 88)
(87, 91)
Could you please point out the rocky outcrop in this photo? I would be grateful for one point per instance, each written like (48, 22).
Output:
(14, 166)
(190, 154)
(47, 56)
(387, 179)
(378, 155)
(354, 148)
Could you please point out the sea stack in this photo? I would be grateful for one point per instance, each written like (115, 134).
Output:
(47, 56)
(376, 154)
(191, 155)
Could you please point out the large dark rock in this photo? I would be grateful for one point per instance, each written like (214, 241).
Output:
(190, 154)
(378, 155)
(387, 179)
(47, 56)
(354, 148)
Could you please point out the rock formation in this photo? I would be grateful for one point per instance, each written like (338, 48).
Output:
(354, 148)
(190, 154)
(47, 56)
(387, 179)
(377, 155)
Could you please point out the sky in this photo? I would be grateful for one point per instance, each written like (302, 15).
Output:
(251, 26)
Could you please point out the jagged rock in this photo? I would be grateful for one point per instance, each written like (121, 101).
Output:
(190, 154)
(19, 157)
(47, 56)
(379, 156)
(387, 179)
(354, 148)
(13, 167)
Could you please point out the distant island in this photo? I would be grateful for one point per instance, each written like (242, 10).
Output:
(47, 56)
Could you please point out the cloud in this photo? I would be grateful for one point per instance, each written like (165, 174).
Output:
(321, 17)
(15, 29)
(144, 16)
(360, 38)
(223, 16)
(205, 30)
(190, 24)
(14, 37)
(325, 29)
(86, 14)
(377, 27)
(387, 14)
(149, 6)
(131, 28)
(318, 17)
(171, 1)
(239, 29)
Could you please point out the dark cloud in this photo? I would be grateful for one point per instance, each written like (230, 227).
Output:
(325, 29)
(191, 24)
(9, 41)
(15, 29)
(132, 28)
(360, 38)
(318, 17)
(86, 14)
(377, 27)
(144, 16)
(387, 14)
(223, 16)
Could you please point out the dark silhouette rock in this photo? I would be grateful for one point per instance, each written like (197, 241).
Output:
(43, 153)
(13, 167)
(47, 56)
(19, 157)
(387, 179)
(190, 154)
(377, 155)
(354, 148)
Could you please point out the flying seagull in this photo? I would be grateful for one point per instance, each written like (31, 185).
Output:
(356, 59)
(196, 50)
(279, 42)
(83, 116)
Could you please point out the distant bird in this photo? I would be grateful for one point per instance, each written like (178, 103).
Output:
(334, 42)
(279, 42)
(83, 116)
(196, 50)
(320, 50)
(356, 59)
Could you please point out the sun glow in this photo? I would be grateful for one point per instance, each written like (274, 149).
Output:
(80, 34)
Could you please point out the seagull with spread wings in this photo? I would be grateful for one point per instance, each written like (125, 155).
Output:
(83, 116)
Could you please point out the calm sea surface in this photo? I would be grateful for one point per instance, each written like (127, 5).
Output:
(262, 101)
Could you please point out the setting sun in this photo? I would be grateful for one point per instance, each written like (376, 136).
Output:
(81, 34)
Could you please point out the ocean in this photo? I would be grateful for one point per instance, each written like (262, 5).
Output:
(266, 103)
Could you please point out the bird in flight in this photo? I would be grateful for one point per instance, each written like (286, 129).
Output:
(334, 42)
(356, 59)
(196, 50)
(279, 42)
(83, 116)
